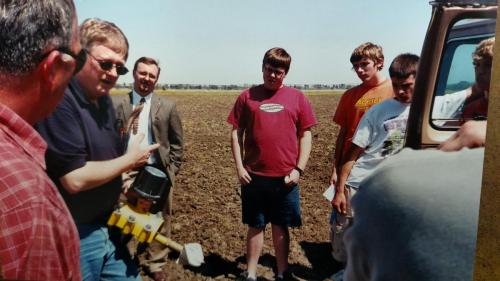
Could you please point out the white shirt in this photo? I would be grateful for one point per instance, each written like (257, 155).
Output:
(381, 132)
(449, 106)
(144, 124)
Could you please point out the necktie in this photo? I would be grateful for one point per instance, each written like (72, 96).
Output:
(133, 121)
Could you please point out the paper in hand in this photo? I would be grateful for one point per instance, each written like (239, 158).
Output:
(329, 193)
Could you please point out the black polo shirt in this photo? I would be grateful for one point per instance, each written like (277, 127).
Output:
(79, 131)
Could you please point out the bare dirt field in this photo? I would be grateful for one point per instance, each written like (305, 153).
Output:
(207, 206)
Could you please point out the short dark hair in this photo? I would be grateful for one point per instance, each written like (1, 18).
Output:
(403, 66)
(29, 28)
(277, 57)
(147, 60)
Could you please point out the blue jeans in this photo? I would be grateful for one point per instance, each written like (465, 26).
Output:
(103, 257)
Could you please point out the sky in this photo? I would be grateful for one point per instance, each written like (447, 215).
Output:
(223, 41)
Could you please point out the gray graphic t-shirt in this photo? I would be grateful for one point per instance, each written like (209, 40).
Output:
(381, 132)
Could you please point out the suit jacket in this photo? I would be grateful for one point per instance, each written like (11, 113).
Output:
(166, 129)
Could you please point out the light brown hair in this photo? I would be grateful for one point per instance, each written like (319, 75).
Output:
(370, 51)
(95, 31)
(484, 50)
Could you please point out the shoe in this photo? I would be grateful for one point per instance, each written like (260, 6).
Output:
(159, 276)
(287, 276)
(244, 277)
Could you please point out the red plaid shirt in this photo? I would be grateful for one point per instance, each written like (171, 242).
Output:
(38, 238)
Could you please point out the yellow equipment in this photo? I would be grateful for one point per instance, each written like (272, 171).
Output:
(144, 226)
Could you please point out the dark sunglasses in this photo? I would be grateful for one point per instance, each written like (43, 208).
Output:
(79, 58)
(107, 65)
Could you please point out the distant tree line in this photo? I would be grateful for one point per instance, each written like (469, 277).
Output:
(459, 86)
(341, 86)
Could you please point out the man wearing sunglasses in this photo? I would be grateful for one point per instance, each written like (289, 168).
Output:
(38, 47)
(84, 152)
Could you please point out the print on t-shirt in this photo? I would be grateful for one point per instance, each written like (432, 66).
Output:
(396, 130)
(365, 103)
(271, 107)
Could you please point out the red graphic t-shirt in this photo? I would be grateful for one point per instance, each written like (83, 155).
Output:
(272, 122)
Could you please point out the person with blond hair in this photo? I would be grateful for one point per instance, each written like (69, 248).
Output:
(367, 61)
(379, 135)
(84, 156)
(472, 102)
(482, 59)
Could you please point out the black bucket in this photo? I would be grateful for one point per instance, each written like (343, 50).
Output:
(151, 183)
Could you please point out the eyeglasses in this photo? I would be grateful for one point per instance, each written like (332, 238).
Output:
(107, 65)
(278, 72)
(79, 58)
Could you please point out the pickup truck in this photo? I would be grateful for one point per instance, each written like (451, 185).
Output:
(455, 29)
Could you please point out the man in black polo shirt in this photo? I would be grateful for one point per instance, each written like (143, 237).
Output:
(84, 151)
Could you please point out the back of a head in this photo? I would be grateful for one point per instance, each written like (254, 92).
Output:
(95, 31)
(31, 28)
(277, 57)
(370, 51)
(403, 66)
(424, 228)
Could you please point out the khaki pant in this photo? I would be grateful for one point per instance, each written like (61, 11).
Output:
(152, 257)
(156, 254)
(339, 226)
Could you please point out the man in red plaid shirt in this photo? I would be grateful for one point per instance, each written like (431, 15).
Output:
(39, 52)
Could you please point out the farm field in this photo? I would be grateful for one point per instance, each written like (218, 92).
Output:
(207, 207)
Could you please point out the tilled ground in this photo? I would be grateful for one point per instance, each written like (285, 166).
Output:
(207, 207)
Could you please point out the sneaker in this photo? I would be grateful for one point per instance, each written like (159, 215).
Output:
(244, 277)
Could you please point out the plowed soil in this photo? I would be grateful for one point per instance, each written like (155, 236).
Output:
(207, 207)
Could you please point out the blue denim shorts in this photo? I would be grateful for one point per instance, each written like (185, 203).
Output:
(268, 200)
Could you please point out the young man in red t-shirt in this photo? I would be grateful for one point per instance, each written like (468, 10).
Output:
(367, 61)
(271, 141)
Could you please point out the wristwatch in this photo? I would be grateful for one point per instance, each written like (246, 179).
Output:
(301, 172)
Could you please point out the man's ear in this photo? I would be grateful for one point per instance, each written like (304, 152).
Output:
(380, 64)
(55, 71)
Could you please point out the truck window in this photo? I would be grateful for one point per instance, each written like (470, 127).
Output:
(457, 75)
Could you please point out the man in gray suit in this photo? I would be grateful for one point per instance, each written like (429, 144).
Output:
(159, 122)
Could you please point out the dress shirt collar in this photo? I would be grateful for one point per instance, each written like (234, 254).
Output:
(136, 98)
